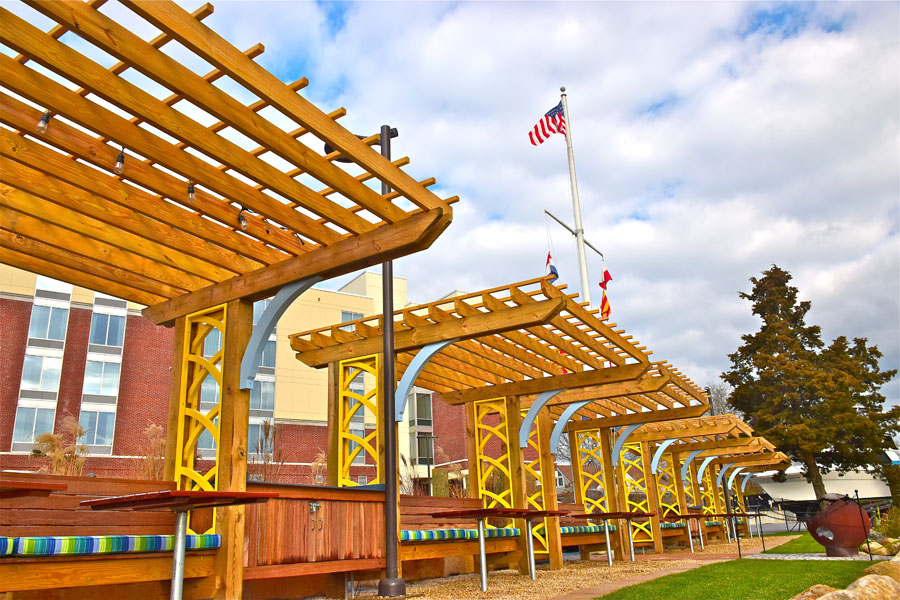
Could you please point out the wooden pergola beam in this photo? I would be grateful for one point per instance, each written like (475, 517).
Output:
(411, 339)
(647, 383)
(536, 386)
(414, 233)
(644, 417)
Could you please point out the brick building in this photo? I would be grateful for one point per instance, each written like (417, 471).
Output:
(67, 351)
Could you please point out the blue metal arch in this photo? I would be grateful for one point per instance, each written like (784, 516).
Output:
(657, 456)
(747, 477)
(620, 442)
(687, 464)
(703, 466)
(733, 475)
(412, 373)
(531, 415)
(563, 421)
(253, 353)
(722, 473)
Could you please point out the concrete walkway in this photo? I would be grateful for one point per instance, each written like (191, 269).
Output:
(697, 560)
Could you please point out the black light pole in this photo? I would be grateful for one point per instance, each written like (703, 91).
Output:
(392, 585)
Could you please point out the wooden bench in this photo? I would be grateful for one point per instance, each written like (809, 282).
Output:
(41, 525)
(573, 533)
(425, 558)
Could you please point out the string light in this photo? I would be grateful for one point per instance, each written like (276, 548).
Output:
(191, 195)
(242, 220)
(41, 126)
(120, 162)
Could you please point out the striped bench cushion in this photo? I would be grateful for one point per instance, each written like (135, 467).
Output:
(671, 525)
(584, 529)
(6, 545)
(107, 544)
(713, 523)
(434, 535)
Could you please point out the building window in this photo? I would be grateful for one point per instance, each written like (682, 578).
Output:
(107, 330)
(259, 307)
(362, 480)
(320, 479)
(268, 355)
(41, 373)
(98, 427)
(359, 459)
(560, 480)
(212, 343)
(206, 441)
(32, 422)
(48, 323)
(422, 408)
(101, 378)
(346, 316)
(256, 439)
(424, 445)
(262, 395)
(209, 390)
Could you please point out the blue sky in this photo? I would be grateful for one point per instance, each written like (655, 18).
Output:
(711, 140)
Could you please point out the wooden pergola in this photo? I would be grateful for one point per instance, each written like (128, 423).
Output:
(126, 172)
(525, 359)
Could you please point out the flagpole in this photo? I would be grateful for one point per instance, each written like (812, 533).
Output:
(576, 206)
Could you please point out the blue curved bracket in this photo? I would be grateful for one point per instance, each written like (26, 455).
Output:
(733, 475)
(687, 464)
(412, 373)
(722, 473)
(620, 442)
(531, 415)
(703, 466)
(654, 464)
(747, 477)
(266, 325)
(562, 422)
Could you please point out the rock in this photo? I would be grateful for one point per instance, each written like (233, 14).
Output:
(880, 552)
(887, 568)
(875, 587)
(814, 593)
(873, 546)
(838, 595)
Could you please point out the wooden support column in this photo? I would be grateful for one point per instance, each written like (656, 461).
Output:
(652, 496)
(611, 477)
(548, 486)
(517, 474)
(334, 445)
(174, 401)
(232, 467)
(472, 451)
(717, 492)
(698, 496)
(675, 460)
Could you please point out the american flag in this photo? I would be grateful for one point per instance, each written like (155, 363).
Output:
(552, 122)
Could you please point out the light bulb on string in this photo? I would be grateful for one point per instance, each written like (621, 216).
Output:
(41, 126)
(242, 220)
(191, 195)
(120, 162)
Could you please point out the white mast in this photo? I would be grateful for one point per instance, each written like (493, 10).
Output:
(576, 206)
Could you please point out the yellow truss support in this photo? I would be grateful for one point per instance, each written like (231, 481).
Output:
(199, 361)
(494, 473)
(632, 461)
(665, 483)
(590, 476)
(351, 404)
(534, 491)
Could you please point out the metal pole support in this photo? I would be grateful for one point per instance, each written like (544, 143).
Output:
(178, 555)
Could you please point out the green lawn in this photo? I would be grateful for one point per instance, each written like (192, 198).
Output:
(746, 580)
(802, 545)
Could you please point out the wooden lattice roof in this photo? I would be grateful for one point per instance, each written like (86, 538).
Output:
(224, 191)
(518, 339)
(661, 393)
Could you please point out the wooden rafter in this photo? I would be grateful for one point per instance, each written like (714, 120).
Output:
(248, 226)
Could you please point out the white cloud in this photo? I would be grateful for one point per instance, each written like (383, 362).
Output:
(704, 153)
